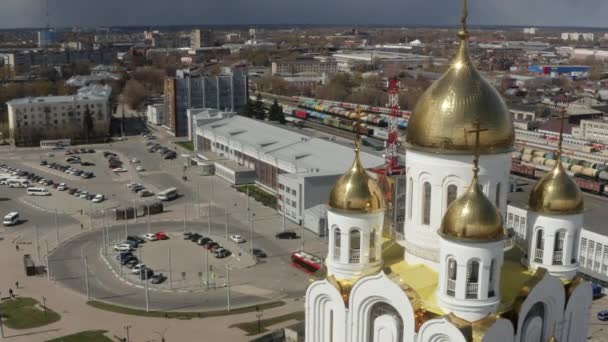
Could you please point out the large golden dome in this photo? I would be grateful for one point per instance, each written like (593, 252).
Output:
(356, 191)
(472, 218)
(451, 105)
(556, 194)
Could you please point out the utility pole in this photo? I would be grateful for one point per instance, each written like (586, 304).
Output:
(148, 212)
(170, 276)
(56, 228)
(251, 233)
(1, 326)
(48, 266)
(103, 243)
(127, 223)
(247, 187)
(226, 223)
(91, 213)
(284, 210)
(37, 247)
(147, 294)
(209, 217)
(185, 215)
(228, 287)
(302, 226)
(207, 268)
(198, 200)
(86, 277)
(127, 327)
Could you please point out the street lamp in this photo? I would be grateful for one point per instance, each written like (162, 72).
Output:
(127, 327)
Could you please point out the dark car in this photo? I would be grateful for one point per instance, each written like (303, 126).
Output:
(222, 253)
(259, 253)
(123, 255)
(195, 236)
(72, 191)
(210, 244)
(131, 263)
(203, 240)
(286, 235)
(187, 235)
(86, 163)
(132, 259)
(43, 162)
(158, 278)
(135, 239)
(169, 156)
(146, 273)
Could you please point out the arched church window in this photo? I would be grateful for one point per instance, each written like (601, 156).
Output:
(472, 279)
(410, 191)
(426, 203)
(497, 200)
(372, 246)
(491, 285)
(337, 243)
(558, 247)
(355, 246)
(452, 193)
(452, 273)
(540, 243)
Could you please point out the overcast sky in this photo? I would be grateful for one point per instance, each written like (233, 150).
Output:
(30, 13)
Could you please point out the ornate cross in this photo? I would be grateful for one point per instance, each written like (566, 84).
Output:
(465, 15)
(477, 132)
(562, 115)
(356, 127)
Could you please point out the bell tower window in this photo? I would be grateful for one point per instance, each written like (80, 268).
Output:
(337, 243)
(355, 246)
(452, 273)
(426, 203)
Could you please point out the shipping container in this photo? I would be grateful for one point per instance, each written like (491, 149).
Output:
(589, 184)
(522, 170)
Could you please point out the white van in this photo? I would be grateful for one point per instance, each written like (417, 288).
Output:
(38, 192)
(17, 183)
(11, 219)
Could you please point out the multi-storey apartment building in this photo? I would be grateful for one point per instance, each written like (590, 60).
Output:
(78, 117)
(304, 66)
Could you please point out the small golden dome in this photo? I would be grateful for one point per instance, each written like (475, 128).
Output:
(556, 194)
(472, 218)
(356, 191)
(451, 105)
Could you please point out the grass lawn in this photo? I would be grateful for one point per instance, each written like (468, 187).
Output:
(188, 145)
(25, 313)
(251, 328)
(181, 315)
(84, 336)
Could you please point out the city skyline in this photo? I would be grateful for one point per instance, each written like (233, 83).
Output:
(62, 13)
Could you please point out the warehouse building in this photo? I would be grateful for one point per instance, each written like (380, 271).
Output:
(299, 169)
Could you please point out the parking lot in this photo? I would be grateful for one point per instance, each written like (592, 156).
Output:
(199, 197)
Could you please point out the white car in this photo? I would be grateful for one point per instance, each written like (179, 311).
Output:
(137, 268)
(50, 154)
(122, 247)
(150, 236)
(83, 194)
(237, 238)
(134, 160)
(119, 169)
(98, 198)
(140, 168)
(62, 187)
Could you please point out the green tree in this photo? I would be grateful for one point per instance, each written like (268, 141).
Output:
(87, 124)
(276, 113)
(248, 109)
(258, 108)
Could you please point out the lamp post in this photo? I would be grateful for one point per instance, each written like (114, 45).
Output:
(56, 228)
(127, 327)
(251, 232)
(228, 287)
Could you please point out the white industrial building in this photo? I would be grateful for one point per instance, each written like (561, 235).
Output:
(298, 168)
(154, 114)
(203, 116)
(60, 117)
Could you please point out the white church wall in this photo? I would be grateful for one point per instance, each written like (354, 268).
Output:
(325, 313)
(576, 316)
(439, 330)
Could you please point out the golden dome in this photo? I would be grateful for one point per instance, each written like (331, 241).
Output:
(472, 218)
(556, 194)
(450, 106)
(356, 191)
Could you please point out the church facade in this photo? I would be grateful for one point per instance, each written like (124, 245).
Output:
(457, 274)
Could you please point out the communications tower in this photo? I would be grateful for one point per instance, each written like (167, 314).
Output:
(392, 143)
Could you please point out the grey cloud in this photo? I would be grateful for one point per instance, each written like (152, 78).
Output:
(28, 13)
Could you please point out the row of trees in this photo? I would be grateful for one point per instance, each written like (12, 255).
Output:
(255, 109)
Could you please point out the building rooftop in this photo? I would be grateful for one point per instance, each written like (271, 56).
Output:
(291, 149)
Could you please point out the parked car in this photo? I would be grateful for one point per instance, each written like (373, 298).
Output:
(135, 238)
(62, 187)
(150, 237)
(123, 255)
(72, 191)
(157, 278)
(98, 198)
(132, 262)
(286, 235)
(162, 236)
(144, 193)
(602, 315)
(140, 168)
(146, 273)
(259, 253)
(203, 240)
(237, 238)
(119, 169)
(195, 236)
(187, 235)
(221, 253)
(133, 244)
(215, 247)
(123, 247)
(210, 244)
(137, 268)
(86, 163)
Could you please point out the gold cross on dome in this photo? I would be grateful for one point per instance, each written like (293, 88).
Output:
(465, 15)
(562, 116)
(356, 127)
(476, 152)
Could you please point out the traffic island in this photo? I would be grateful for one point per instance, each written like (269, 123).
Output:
(260, 326)
(84, 336)
(26, 313)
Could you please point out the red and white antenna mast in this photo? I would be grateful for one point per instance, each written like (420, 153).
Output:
(392, 143)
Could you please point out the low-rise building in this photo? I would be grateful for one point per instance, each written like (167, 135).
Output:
(592, 130)
(154, 114)
(83, 116)
(202, 116)
(299, 169)
(288, 68)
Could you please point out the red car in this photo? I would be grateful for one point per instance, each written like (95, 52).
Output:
(162, 236)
